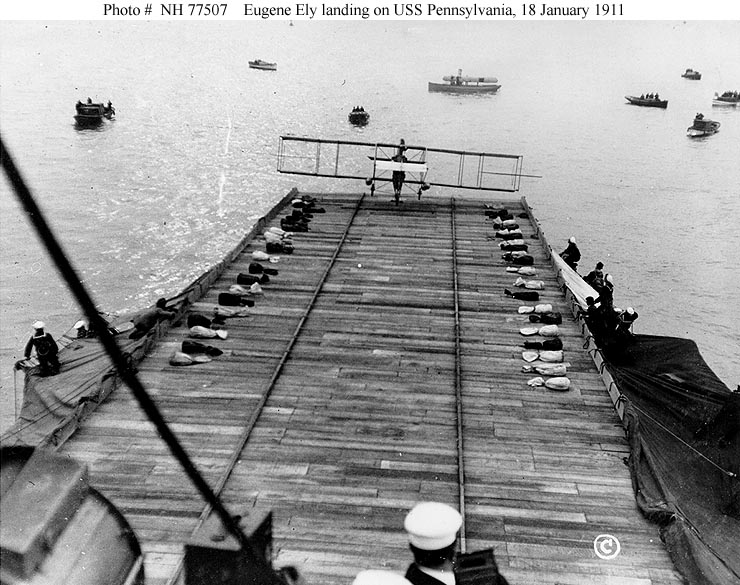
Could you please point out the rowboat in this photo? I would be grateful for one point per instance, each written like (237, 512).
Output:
(358, 116)
(691, 74)
(702, 127)
(263, 65)
(728, 98)
(465, 84)
(647, 102)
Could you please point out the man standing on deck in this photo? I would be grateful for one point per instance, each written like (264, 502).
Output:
(399, 177)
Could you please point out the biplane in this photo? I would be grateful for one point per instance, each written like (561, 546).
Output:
(414, 168)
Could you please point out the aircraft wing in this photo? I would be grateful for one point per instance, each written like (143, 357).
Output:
(347, 159)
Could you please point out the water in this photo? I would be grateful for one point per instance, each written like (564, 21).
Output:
(147, 202)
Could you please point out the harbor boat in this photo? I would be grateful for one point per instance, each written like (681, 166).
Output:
(702, 127)
(728, 98)
(382, 366)
(263, 65)
(358, 116)
(465, 84)
(691, 74)
(653, 102)
(93, 114)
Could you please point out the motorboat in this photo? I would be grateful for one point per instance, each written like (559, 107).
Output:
(649, 102)
(264, 65)
(92, 114)
(702, 127)
(691, 74)
(465, 84)
(728, 98)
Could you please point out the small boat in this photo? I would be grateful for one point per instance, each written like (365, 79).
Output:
(358, 116)
(728, 98)
(649, 102)
(264, 65)
(691, 74)
(92, 114)
(702, 127)
(465, 84)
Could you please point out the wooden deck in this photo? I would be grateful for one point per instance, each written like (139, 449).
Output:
(361, 421)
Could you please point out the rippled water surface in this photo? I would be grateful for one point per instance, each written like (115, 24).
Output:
(146, 202)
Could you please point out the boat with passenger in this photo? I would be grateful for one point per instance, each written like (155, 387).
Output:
(93, 114)
(728, 98)
(263, 65)
(465, 84)
(648, 101)
(358, 116)
(702, 127)
(691, 74)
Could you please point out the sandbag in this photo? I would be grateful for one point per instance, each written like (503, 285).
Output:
(547, 318)
(549, 331)
(520, 259)
(195, 347)
(560, 383)
(547, 369)
(530, 284)
(179, 358)
(249, 279)
(204, 333)
(198, 319)
(523, 310)
(543, 308)
(512, 245)
(229, 300)
(551, 356)
(548, 344)
(525, 295)
(528, 331)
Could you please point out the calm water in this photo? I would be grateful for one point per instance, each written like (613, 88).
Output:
(147, 202)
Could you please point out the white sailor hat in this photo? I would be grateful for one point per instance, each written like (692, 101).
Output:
(380, 577)
(572, 240)
(432, 525)
(39, 325)
(630, 311)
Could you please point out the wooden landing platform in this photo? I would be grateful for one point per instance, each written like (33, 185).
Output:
(361, 421)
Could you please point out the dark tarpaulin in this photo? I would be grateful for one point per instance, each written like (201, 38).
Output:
(683, 426)
(54, 406)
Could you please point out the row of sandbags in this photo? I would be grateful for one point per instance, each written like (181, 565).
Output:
(543, 349)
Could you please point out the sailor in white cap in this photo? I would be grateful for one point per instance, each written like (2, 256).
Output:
(571, 254)
(46, 350)
(625, 320)
(432, 528)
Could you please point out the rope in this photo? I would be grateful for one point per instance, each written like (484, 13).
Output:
(458, 381)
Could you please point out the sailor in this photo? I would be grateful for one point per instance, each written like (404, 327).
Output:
(596, 277)
(571, 254)
(432, 529)
(46, 350)
(148, 319)
(625, 319)
(657, 97)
